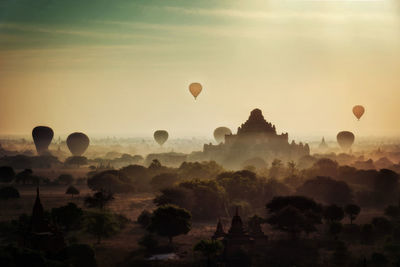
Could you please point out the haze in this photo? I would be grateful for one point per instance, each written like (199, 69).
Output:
(123, 67)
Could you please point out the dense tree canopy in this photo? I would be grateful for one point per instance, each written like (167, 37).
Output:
(112, 181)
(7, 174)
(170, 221)
(8, 192)
(294, 214)
(327, 190)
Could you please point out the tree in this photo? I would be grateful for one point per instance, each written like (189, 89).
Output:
(335, 228)
(333, 213)
(393, 212)
(379, 260)
(101, 225)
(76, 160)
(139, 176)
(164, 180)
(254, 224)
(340, 255)
(382, 225)
(170, 221)
(99, 200)
(67, 216)
(291, 165)
(112, 181)
(24, 177)
(65, 179)
(294, 214)
(72, 190)
(352, 211)
(80, 255)
(325, 167)
(155, 165)
(148, 241)
(7, 174)
(209, 249)
(327, 190)
(8, 192)
(367, 232)
(276, 168)
(386, 187)
(144, 218)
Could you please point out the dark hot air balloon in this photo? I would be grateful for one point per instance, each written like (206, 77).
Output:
(77, 143)
(42, 136)
(161, 136)
(358, 111)
(220, 132)
(195, 89)
(345, 139)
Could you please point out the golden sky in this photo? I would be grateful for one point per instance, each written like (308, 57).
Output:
(123, 67)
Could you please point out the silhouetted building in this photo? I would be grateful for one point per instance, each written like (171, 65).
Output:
(255, 138)
(323, 146)
(219, 232)
(237, 241)
(43, 236)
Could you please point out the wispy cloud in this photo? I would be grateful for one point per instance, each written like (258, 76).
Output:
(75, 32)
(282, 15)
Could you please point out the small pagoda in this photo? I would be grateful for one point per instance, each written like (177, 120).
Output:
(42, 235)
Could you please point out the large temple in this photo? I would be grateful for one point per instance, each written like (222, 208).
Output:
(256, 138)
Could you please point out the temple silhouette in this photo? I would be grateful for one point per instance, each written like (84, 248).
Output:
(256, 138)
(42, 235)
(238, 241)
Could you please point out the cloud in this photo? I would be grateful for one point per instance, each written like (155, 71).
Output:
(91, 33)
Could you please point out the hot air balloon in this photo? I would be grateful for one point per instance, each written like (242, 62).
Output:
(42, 136)
(345, 139)
(358, 111)
(161, 136)
(220, 132)
(195, 89)
(77, 143)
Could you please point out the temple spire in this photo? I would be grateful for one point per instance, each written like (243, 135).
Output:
(219, 232)
(38, 221)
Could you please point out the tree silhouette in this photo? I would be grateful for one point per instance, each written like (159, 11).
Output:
(8, 192)
(155, 165)
(7, 174)
(65, 179)
(67, 216)
(164, 180)
(393, 212)
(209, 249)
(148, 241)
(72, 190)
(99, 199)
(333, 213)
(335, 228)
(170, 221)
(100, 225)
(80, 255)
(144, 218)
(294, 214)
(352, 211)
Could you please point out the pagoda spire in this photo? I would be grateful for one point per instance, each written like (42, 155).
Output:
(219, 232)
(38, 221)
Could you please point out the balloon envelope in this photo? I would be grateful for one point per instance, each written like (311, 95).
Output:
(358, 111)
(77, 143)
(345, 139)
(195, 89)
(220, 132)
(161, 136)
(42, 136)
